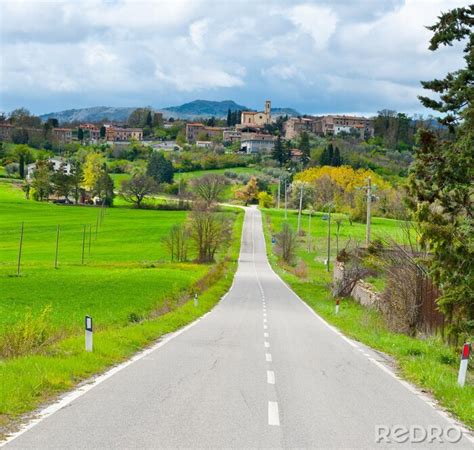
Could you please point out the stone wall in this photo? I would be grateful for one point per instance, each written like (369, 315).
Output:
(362, 292)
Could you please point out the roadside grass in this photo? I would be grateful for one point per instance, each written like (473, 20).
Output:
(127, 285)
(427, 362)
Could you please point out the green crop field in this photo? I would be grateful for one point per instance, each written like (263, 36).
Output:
(426, 361)
(126, 283)
(186, 176)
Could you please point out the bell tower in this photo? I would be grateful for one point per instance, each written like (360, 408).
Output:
(268, 107)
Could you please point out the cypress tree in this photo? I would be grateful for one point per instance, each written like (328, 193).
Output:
(229, 118)
(336, 159)
(305, 148)
(324, 158)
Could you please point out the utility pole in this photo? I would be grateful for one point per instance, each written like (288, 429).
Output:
(286, 201)
(57, 248)
(300, 208)
(20, 248)
(279, 193)
(369, 201)
(329, 238)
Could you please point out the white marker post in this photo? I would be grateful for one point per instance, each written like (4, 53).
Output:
(196, 302)
(337, 306)
(466, 350)
(89, 342)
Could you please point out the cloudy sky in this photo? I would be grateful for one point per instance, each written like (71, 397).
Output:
(316, 56)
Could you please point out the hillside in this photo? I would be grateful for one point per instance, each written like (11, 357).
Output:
(93, 114)
(204, 108)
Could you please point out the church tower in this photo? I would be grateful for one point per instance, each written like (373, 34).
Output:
(268, 111)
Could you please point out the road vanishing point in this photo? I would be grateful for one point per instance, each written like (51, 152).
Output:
(260, 370)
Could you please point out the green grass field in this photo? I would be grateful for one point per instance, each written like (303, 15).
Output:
(428, 362)
(126, 283)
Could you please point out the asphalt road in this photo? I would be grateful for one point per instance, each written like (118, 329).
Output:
(260, 370)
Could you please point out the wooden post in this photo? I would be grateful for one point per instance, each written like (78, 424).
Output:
(83, 243)
(90, 237)
(20, 248)
(286, 201)
(57, 248)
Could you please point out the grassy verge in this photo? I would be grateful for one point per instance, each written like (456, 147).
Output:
(428, 363)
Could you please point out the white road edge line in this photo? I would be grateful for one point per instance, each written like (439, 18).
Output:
(466, 433)
(273, 416)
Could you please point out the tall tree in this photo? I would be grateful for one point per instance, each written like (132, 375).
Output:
(159, 168)
(305, 148)
(103, 132)
(92, 170)
(137, 188)
(441, 182)
(336, 159)
(280, 152)
(209, 188)
(62, 182)
(104, 188)
(229, 118)
(80, 134)
(24, 156)
(149, 119)
(323, 159)
(42, 180)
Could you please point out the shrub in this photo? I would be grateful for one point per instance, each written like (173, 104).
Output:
(301, 270)
(286, 243)
(27, 336)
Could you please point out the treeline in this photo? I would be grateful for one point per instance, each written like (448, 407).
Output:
(398, 131)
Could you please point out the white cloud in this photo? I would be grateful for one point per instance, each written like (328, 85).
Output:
(317, 21)
(198, 31)
(310, 54)
(196, 78)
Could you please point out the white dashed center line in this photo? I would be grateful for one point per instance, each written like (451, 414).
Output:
(270, 377)
(268, 357)
(267, 344)
(273, 416)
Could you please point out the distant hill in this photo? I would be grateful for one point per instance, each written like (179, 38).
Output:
(285, 112)
(94, 114)
(204, 108)
(197, 109)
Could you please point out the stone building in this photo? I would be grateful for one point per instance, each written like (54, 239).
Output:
(259, 118)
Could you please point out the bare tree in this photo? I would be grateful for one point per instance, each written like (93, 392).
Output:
(209, 188)
(177, 242)
(209, 230)
(354, 270)
(137, 188)
(286, 243)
